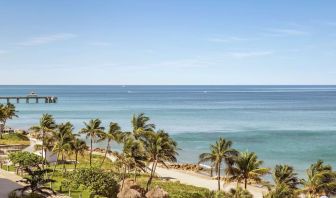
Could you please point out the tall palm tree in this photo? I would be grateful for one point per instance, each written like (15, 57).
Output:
(36, 182)
(159, 148)
(6, 112)
(220, 152)
(63, 137)
(140, 124)
(281, 191)
(284, 174)
(321, 179)
(46, 126)
(285, 181)
(92, 130)
(114, 133)
(78, 147)
(132, 156)
(246, 168)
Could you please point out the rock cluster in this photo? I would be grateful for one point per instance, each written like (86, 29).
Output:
(100, 150)
(132, 190)
(188, 167)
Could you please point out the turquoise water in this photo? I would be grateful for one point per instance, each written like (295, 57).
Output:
(283, 124)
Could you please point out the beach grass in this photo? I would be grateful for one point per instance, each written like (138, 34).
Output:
(10, 168)
(176, 189)
(84, 162)
(14, 139)
(75, 193)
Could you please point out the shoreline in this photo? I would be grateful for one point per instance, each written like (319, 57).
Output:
(199, 180)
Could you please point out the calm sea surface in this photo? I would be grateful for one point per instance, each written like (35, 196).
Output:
(283, 124)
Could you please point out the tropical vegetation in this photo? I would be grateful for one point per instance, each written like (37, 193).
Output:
(7, 112)
(220, 152)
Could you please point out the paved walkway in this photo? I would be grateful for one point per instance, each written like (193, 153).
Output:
(8, 183)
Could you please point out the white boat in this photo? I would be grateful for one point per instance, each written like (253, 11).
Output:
(32, 94)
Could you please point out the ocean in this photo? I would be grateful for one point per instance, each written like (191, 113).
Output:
(295, 125)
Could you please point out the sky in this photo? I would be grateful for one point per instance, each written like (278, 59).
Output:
(168, 42)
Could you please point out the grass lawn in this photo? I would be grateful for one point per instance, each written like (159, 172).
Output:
(176, 189)
(74, 193)
(14, 139)
(84, 162)
(8, 168)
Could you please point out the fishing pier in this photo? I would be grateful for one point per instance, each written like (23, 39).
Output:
(30, 98)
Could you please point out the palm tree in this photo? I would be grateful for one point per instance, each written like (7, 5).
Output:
(321, 179)
(285, 182)
(284, 174)
(140, 125)
(159, 148)
(92, 130)
(36, 182)
(63, 137)
(246, 168)
(113, 134)
(78, 147)
(280, 191)
(46, 126)
(239, 193)
(132, 156)
(220, 152)
(6, 112)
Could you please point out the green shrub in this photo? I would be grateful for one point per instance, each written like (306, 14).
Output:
(24, 159)
(15, 194)
(99, 182)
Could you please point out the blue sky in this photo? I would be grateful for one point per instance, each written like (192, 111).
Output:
(168, 42)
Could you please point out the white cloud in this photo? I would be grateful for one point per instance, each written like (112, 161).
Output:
(285, 32)
(227, 39)
(47, 39)
(250, 54)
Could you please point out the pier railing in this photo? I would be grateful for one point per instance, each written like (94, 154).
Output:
(28, 99)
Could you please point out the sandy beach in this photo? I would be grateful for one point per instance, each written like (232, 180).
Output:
(191, 178)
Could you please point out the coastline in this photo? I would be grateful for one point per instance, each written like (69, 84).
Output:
(195, 179)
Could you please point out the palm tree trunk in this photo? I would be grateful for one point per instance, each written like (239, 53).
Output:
(55, 165)
(2, 128)
(135, 172)
(63, 162)
(76, 154)
(151, 176)
(219, 177)
(245, 183)
(91, 153)
(43, 154)
(107, 148)
(123, 180)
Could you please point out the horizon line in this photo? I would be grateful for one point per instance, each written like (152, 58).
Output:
(167, 84)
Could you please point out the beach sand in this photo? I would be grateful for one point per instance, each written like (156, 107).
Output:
(191, 178)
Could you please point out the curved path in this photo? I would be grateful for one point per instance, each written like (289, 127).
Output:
(8, 183)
